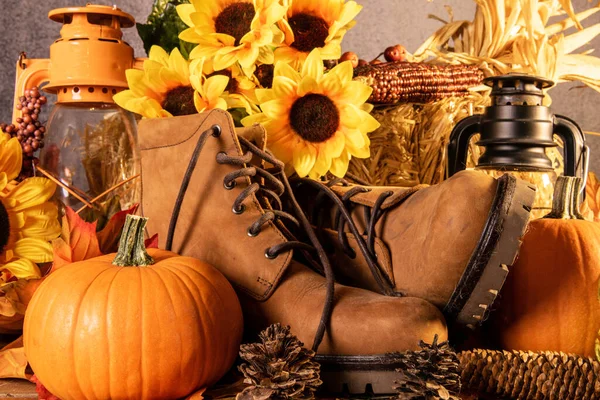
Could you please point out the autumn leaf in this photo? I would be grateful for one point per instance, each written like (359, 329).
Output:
(16, 297)
(77, 242)
(13, 363)
(152, 242)
(108, 238)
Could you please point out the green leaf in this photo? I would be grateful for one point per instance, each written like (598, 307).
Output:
(163, 28)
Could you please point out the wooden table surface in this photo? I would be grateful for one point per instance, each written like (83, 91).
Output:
(17, 389)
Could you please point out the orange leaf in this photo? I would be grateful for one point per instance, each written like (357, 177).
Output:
(13, 363)
(78, 241)
(152, 242)
(108, 238)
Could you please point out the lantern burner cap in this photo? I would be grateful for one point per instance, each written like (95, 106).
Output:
(516, 89)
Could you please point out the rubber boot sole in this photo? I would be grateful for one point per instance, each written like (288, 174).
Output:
(358, 375)
(496, 251)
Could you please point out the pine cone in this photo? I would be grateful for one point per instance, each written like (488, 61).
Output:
(279, 367)
(428, 374)
(527, 375)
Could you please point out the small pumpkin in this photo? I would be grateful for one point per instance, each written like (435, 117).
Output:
(135, 325)
(550, 299)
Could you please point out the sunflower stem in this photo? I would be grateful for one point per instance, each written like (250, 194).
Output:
(565, 202)
(132, 250)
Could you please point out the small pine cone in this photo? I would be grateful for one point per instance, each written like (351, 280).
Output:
(279, 367)
(428, 374)
(527, 375)
(411, 82)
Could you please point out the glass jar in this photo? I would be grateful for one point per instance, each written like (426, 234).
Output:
(91, 152)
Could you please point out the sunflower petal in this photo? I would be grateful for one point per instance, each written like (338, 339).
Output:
(284, 88)
(158, 54)
(369, 123)
(254, 119)
(11, 158)
(31, 192)
(200, 103)
(313, 65)
(308, 85)
(285, 70)
(339, 166)
(184, 11)
(215, 86)
(22, 268)
(335, 146)
(34, 249)
(304, 160)
(274, 109)
(190, 35)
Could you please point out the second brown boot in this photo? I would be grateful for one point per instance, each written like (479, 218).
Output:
(451, 244)
(209, 196)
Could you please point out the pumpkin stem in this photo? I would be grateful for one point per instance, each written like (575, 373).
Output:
(132, 251)
(565, 203)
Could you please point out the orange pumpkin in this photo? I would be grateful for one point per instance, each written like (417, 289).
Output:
(550, 299)
(155, 325)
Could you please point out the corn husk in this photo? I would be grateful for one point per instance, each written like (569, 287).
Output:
(515, 36)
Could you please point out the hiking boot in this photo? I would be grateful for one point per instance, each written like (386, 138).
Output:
(208, 195)
(451, 244)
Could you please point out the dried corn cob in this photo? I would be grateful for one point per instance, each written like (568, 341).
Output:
(408, 82)
(527, 375)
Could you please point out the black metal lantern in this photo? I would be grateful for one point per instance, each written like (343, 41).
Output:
(515, 132)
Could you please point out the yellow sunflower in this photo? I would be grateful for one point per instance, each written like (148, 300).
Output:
(315, 24)
(170, 86)
(231, 31)
(28, 221)
(240, 89)
(315, 121)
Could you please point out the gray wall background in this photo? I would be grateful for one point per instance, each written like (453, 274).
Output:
(24, 27)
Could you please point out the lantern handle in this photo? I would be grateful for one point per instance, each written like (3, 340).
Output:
(576, 151)
(30, 73)
(458, 146)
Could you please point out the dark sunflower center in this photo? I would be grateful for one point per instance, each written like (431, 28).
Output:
(4, 228)
(310, 32)
(235, 20)
(180, 101)
(264, 73)
(315, 117)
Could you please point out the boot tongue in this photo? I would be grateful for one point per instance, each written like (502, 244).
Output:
(257, 135)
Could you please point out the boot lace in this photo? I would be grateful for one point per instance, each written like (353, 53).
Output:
(343, 217)
(278, 185)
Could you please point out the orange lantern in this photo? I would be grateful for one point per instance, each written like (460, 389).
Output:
(90, 145)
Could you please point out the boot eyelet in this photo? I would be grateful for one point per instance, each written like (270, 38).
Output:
(269, 255)
(229, 185)
(251, 233)
(216, 130)
(240, 210)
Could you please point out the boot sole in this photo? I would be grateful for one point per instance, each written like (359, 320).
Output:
(496, 250)
(358, 374)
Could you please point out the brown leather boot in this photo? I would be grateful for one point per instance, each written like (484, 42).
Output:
(208, 196)
(451, 244)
